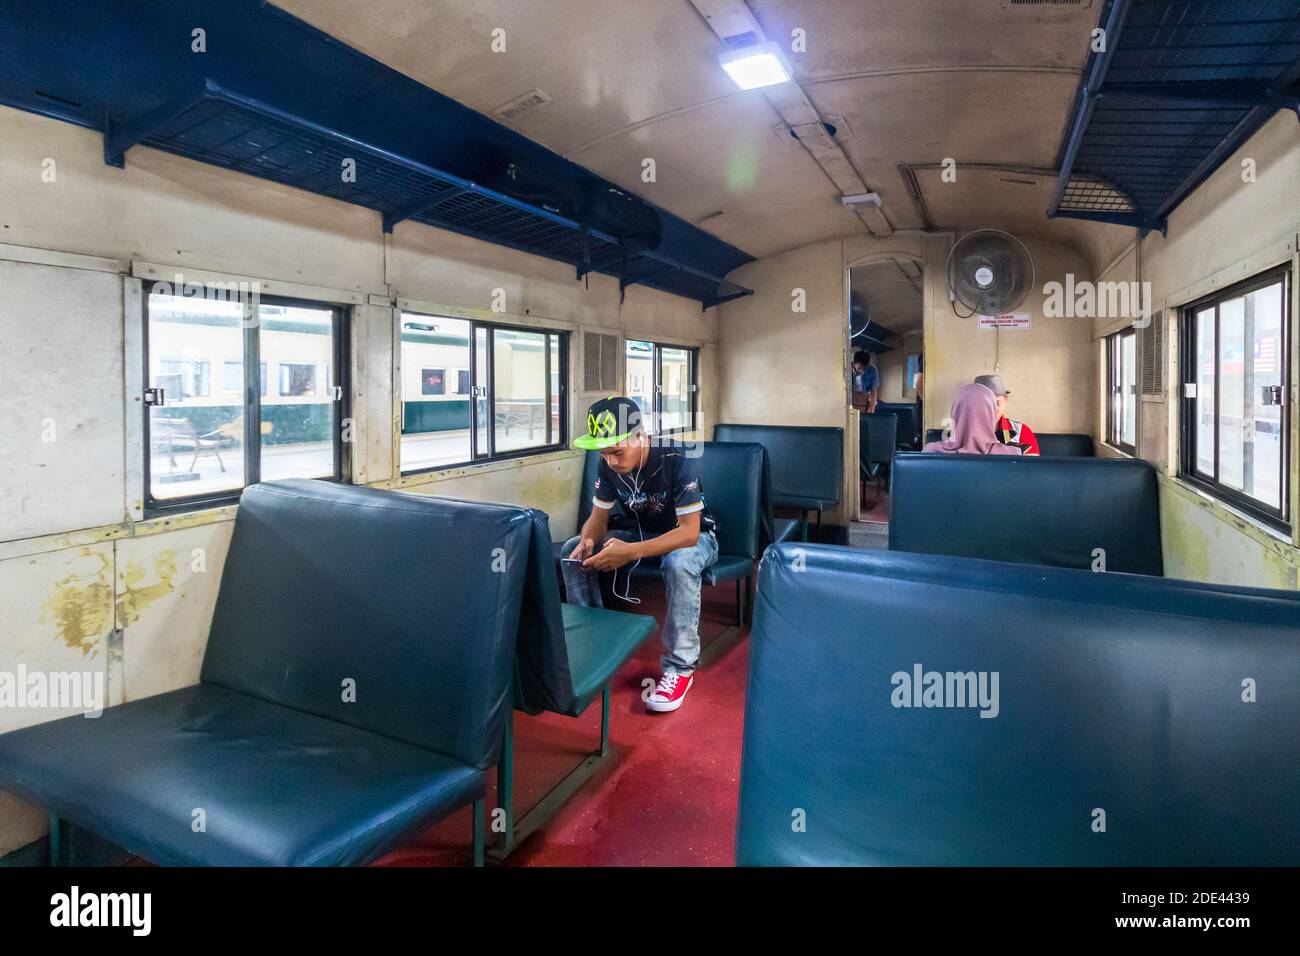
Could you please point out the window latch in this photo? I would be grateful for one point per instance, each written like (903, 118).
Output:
(1271, 395)
(155, 396)
(338, 393)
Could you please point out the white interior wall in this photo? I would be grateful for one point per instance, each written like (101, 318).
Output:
(85, 584)
(1228, 230)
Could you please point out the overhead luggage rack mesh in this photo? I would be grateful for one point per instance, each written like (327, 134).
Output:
(225, 129)
(241, 139)
(1178, 88)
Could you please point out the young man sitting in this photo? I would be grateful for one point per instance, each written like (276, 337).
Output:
(648, 503)
(1009, 431)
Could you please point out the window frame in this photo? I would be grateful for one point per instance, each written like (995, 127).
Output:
(254, 390)
(1278, 519)
(489, 396)
(657, 374)
(1114, 374)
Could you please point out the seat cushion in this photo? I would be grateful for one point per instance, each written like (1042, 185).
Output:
(804, 502)
(599, 641)
(277, 787)
(728, 567)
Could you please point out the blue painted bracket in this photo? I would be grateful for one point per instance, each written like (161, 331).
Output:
(393, 217)
(119, 136)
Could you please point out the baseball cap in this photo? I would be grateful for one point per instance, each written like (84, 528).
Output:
(609, 421)
(993, 383)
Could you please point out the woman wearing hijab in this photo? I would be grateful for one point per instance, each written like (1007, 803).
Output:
(974, 412)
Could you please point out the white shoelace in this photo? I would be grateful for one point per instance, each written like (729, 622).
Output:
(668, 683)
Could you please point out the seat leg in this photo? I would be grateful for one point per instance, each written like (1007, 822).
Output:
(478, 831)
(803, 524)
(506, 782)
(819, 524)
(58, 841)
(604, 721)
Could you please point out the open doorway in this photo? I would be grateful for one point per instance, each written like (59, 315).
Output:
(886, 319)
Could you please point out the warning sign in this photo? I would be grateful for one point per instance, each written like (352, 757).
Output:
(1005, 320)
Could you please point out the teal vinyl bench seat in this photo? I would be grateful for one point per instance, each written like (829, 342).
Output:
(325, 587)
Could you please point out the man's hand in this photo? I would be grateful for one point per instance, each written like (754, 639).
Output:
(584, 550)
(613, 555)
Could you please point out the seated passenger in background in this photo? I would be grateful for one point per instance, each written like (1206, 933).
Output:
(974, 412)
(661, 514)
(1009, 431)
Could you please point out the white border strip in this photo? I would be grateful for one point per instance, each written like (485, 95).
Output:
(155, 272)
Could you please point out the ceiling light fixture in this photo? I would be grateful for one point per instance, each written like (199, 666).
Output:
(756, 66)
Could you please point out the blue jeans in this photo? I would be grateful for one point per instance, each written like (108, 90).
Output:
(683, 572)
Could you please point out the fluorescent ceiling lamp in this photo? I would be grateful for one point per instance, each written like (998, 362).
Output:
(755, 66)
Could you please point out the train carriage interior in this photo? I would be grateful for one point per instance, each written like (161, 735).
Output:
(682, 433)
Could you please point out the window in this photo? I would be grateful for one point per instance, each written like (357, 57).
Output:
(1121, 390)
(1235, 373)
(661, 379)
(509, 395)
(297, 379)
(232, 377)
(198, 449)
(432, 381)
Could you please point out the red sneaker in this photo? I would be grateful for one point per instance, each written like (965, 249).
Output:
(670, 693)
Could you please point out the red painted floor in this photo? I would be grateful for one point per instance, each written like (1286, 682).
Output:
(875, 506)
(666, 796)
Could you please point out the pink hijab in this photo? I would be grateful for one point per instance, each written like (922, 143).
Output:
(974, 412)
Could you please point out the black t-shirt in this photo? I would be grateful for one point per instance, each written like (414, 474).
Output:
(667, 486)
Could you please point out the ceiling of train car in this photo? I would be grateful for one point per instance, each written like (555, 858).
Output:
(906, 82)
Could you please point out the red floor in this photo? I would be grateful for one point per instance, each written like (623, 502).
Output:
(667, 794)
(875, 505)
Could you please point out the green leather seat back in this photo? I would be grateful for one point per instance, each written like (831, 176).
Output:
(1066, 512)
(1115, 692)
(410, 601)
(806, 463)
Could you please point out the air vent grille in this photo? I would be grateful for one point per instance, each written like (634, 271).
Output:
(1153, 356)
(523, 103)
(600, 362)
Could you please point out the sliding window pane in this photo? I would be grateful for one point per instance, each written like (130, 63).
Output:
(1232, 392)
(196, 439)
(1204, 402)
(555, 432)
(299, 415)
(481, 376)
(520, 396)
(1263, 374)
(675, 372)
(1128, 389)
(640, 362)
(435, 418)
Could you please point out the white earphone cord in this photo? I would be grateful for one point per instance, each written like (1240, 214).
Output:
(635, 489)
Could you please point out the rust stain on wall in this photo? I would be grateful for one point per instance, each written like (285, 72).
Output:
(81, 606)
(137, 595)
